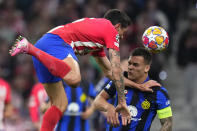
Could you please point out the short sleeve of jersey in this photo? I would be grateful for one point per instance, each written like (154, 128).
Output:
(111, 37)
(163, 100)
(110, 89)
(100, 53)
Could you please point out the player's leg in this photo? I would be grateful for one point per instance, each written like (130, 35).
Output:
(56, 66)
(59, 103)
(60, 53)
(73, 77)
(57, 95)
(54, 88)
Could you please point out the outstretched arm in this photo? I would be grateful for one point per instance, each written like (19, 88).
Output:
(118, 79)
(117, 75)
(143, 87)
(166, 124)
(105, 65)
(113, 71)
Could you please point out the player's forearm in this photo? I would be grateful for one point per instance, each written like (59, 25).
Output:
(105, 65)
(100, 103)
(130, 83)
(119, 82)
(117, 74)
(109, 74)
(166, 124)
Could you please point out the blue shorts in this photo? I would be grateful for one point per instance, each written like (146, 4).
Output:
(55, 46)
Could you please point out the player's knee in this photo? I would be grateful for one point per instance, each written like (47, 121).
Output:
(73, 81)
(61, 104)
(63, 107)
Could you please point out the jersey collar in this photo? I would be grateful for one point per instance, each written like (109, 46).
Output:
(147, 79)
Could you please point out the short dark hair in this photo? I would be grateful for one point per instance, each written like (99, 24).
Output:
(144, 53)
(116, 16)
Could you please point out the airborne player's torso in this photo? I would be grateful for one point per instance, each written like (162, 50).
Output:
(88, 35)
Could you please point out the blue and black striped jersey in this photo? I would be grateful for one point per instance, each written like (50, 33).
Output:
(142, 105)
(77, 102)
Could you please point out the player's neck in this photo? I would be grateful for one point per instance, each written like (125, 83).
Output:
(142, 79)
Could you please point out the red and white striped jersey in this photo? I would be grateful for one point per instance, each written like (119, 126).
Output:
(89, 35)
(5, 97)
(37, 97)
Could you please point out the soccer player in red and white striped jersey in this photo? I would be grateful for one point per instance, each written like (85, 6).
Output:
(38, 96)
(54, 59)
(5, 102)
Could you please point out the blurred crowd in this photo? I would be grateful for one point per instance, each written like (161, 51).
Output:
(33, 18)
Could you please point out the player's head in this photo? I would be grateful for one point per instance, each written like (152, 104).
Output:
(119, 19)
(139, 64)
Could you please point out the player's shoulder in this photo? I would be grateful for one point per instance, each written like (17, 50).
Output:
(160, 91)
(103, 23)
(103, 20)
(159, 88)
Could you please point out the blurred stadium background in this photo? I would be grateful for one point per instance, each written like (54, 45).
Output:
(176, 68)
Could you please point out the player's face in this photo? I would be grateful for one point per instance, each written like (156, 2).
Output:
(121, 32)
(137, 68)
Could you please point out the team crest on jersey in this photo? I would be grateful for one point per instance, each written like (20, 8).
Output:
(125, 92)
(145, 104)
(118, 38)
(83, 98)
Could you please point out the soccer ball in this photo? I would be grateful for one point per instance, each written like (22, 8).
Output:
(155, 39)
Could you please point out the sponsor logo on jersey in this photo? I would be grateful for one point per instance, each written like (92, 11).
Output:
(133, 110)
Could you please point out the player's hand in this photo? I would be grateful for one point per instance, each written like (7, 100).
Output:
(147, 85)
(112, 116)
(125, 113)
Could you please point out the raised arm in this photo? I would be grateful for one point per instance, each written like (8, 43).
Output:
(166, 124)
(105, 65)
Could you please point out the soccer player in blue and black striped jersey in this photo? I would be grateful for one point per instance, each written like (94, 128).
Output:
(143, 105)
(79, 109)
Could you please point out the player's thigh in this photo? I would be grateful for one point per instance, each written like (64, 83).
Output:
(73, 78)
(55, 46)
(57, 94)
